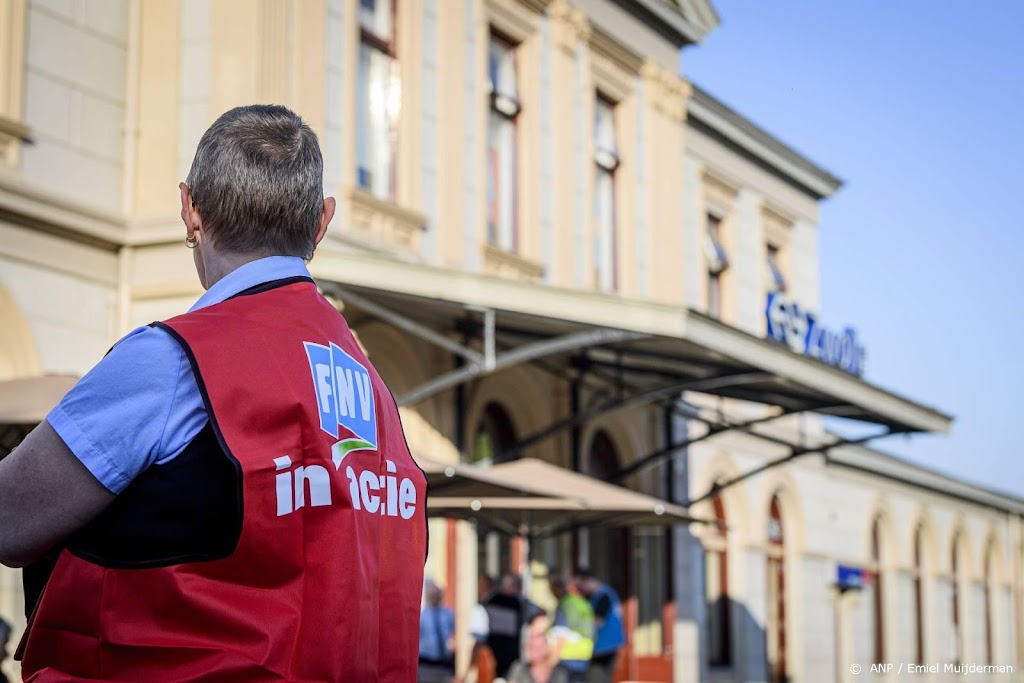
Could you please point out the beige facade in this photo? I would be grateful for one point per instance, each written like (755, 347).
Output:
(465, 143)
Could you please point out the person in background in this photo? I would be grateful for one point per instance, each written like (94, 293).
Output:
(5, 636)
(610, 633)
(573, 628)
(538, 665)
(506, 611)
(437, 638)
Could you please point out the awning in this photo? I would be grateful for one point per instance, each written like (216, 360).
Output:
(27, 401)
(567, 499)
(623, 352)
(658, 349)
(449, 480)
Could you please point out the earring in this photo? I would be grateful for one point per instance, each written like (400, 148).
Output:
(192, 242)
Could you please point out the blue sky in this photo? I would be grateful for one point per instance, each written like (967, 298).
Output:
(919, 107)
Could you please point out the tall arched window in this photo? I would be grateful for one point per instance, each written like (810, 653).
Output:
(956, 582)
(876, 590)
(917, 613)
(776, 594)
(716, 590)
(606, 553)
(989, 616)
(494, 435)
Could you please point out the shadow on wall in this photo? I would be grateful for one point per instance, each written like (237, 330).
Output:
(736, 649)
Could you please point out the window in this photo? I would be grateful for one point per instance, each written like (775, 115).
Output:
(876, 598)
(495, 434)
(776, 593)
(501, 145)
(716, 590)
(606, 159)
(378, 99)
(917, 613)
(776, 280)
(607, 546)
(955, 597)
(718, 262)
(989, 616)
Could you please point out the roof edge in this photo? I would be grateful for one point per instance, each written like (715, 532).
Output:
(688, 24)
(759, 143)
(899, 469)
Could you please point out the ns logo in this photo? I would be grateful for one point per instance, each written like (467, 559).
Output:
(345, 401)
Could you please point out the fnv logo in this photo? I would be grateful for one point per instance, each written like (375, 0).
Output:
(344, 398)
(344, 395)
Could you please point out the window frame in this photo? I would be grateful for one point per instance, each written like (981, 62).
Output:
(955, 572)
(714, 295)
(388, 47)
(917, 578)
(775, 560)
(505, 116)
(717, 543)
(606, 164)
(776, 278)
(878, 607)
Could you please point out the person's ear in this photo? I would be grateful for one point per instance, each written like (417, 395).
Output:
(325, 219)
(189, 212)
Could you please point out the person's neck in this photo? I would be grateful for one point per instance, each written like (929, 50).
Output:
(219, 265)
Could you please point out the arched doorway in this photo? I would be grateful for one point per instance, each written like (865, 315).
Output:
(917, 577)
(607, 549)
(956, 583)
(775, 622)
(716, 590)
(494, 435)
(876, 593)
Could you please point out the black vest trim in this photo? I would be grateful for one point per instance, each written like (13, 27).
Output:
(273, 284)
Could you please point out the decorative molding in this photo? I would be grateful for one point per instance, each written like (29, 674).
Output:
(12, 134)
(515, 19)
(34, 207)
(669, 92)
(15, 129)
(569, 26)
(603, 44)
(719, 196)
(507, 264)
(384, 222)
(538, 6)
(776, 227)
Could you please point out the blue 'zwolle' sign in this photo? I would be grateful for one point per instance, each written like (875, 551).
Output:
(799, 329)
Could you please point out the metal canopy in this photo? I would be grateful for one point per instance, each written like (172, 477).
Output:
(702, 355)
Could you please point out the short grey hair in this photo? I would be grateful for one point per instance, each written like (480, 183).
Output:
(257, 182)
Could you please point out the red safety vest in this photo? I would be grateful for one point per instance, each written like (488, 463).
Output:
(306, 563)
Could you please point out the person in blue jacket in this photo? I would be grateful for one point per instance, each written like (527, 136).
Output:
(610, 632)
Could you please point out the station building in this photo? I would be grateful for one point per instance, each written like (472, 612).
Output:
(552, 245)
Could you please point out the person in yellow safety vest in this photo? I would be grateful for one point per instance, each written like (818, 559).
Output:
(573, 627)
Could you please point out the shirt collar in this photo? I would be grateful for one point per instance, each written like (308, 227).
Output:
(251, 274)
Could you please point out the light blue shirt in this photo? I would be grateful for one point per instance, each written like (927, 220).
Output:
(437, 625)
(140, 405)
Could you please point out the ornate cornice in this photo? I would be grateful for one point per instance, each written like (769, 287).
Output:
(669, 91)
(569, 25)
(620, 55)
